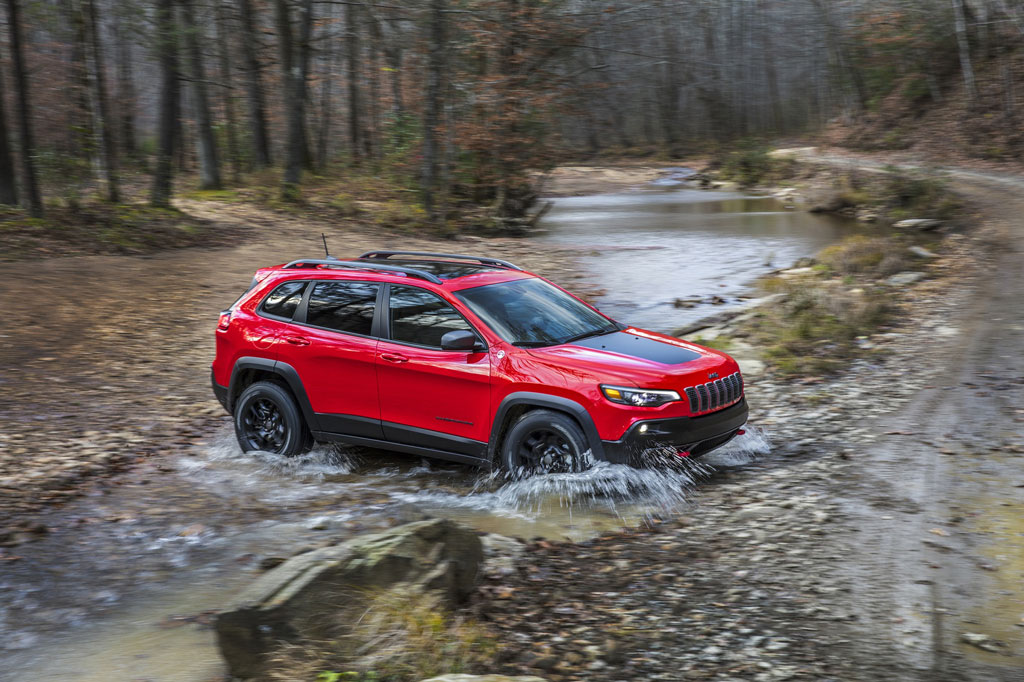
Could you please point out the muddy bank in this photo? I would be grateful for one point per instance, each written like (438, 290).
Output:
(580, 180)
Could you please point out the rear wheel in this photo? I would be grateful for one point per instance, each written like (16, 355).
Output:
(267, 419)
(543, 441)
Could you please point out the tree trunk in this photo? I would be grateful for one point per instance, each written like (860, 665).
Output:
(254, 84)
(8, 183)
(206, 143)
(167, 50)
(107, 142)
(964, 48)
(302, 78)
(354, 105)
(433, 109)
(125, 91)
(33, 199)
(229, 94)
(80, 132)
(294, 79)
(394, 55)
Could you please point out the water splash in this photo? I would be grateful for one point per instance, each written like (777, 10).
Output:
(742, 450)
(322, 461)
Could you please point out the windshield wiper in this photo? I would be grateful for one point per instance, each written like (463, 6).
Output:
(587, 335)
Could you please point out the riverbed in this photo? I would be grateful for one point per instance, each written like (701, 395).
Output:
(123, 584)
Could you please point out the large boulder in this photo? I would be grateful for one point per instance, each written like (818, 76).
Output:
(292, 601)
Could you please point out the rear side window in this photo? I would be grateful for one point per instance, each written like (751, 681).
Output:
(343, 306)
(284, 300)
(421, 318)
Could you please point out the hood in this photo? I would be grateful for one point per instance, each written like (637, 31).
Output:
(637, 357)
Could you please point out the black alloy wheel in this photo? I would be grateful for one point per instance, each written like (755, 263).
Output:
(264, 426)
(544, 442)
(268, 419)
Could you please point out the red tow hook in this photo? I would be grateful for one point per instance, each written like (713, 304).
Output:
(682, 453)
(740, 432)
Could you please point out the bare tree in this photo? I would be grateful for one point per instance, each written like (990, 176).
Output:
(30, 181)
(430, 174)
(254, 84)
(293, 70)
(206, 143)
(103, 119)
(8, 183)
(230, 123)
(167, 51)
(126, 99)
(964, 47)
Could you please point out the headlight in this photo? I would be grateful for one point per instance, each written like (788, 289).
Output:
(639, 397)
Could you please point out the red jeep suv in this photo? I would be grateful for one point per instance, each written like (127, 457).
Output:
(461, 358)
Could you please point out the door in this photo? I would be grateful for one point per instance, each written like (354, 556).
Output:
(428, 396)
(332, 346)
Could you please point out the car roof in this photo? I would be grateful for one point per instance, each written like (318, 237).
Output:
(451, 275)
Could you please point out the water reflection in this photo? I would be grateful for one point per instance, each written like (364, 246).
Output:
(648, 249)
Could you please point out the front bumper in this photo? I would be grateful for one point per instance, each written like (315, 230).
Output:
(697, 435)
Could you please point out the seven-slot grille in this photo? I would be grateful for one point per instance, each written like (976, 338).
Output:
(715, 394)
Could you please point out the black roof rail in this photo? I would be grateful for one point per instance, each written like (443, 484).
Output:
(381, 255)
(353, 265)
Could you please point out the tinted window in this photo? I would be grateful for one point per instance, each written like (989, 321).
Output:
(531, 312)
(420, 317)
(343, 306)
(284, 300)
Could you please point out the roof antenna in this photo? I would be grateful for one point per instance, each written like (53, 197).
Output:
(324, 237)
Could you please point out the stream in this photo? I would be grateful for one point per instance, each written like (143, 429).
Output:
(145, 562)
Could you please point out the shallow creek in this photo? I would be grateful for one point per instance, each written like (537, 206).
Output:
(123, 585)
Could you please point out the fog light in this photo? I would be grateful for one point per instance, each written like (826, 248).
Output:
(643, 428)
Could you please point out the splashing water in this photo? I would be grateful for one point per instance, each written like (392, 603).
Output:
(742, 450)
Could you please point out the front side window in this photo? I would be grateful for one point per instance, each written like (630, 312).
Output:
(284, 300)
(532, 313)
(343, 306)
(421, 318)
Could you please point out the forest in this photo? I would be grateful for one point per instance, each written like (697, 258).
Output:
(460, 105)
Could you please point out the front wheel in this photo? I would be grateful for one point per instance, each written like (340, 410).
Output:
(267, 419)
(545, 442)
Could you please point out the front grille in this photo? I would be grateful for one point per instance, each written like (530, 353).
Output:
(715, 394)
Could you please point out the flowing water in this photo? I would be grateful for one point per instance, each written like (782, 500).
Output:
(144, 563)
(667, 257)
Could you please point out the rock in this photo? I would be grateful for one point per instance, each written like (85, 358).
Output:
(982, 641)
(867, 217)
(282, 604)
(921, 252)
(919, 224)
(484, 678)
(902, 279)
(501, 554)
(756, 511)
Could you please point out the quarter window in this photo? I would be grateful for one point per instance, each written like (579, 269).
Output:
(284, 300)
(343, 306)
(421, 318)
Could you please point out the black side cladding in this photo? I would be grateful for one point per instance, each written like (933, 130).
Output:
(625, 343)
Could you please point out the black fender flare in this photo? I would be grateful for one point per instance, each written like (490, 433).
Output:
(281, 369)
(549, 401)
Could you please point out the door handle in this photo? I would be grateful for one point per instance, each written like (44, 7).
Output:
(297, 340)
(394, 357)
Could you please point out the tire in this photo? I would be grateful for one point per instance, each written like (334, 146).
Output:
(544, 442)
(267, 419)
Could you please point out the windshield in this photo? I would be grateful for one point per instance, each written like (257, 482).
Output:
(532, 313)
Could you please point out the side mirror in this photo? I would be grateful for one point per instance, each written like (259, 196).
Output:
(461, 339)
